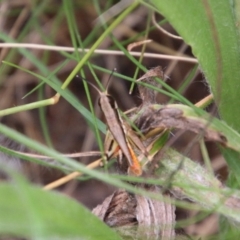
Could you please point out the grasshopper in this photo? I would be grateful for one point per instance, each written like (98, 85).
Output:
(123, 137)
(113, 119)
(119, 145)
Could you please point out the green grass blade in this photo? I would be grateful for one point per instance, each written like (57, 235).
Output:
(64, 93)
(31, 144)
(43, 120)
(97, 43)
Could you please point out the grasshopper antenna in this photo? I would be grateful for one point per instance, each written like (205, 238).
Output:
(108, 81)
(83, 79)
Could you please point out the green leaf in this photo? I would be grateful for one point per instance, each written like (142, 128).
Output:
(28, 211)
(209, 28)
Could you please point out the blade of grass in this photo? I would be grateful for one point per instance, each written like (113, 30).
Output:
(72, 25)
(65, 93)
(97, 43)
(43, 120)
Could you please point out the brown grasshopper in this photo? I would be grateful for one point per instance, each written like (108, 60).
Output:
(119, 144)
(148, 96)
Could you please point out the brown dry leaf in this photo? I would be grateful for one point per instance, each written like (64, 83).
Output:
(173, 117)
(148, 95)
(138, 217)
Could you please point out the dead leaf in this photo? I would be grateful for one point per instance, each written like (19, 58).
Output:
(138, 216)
